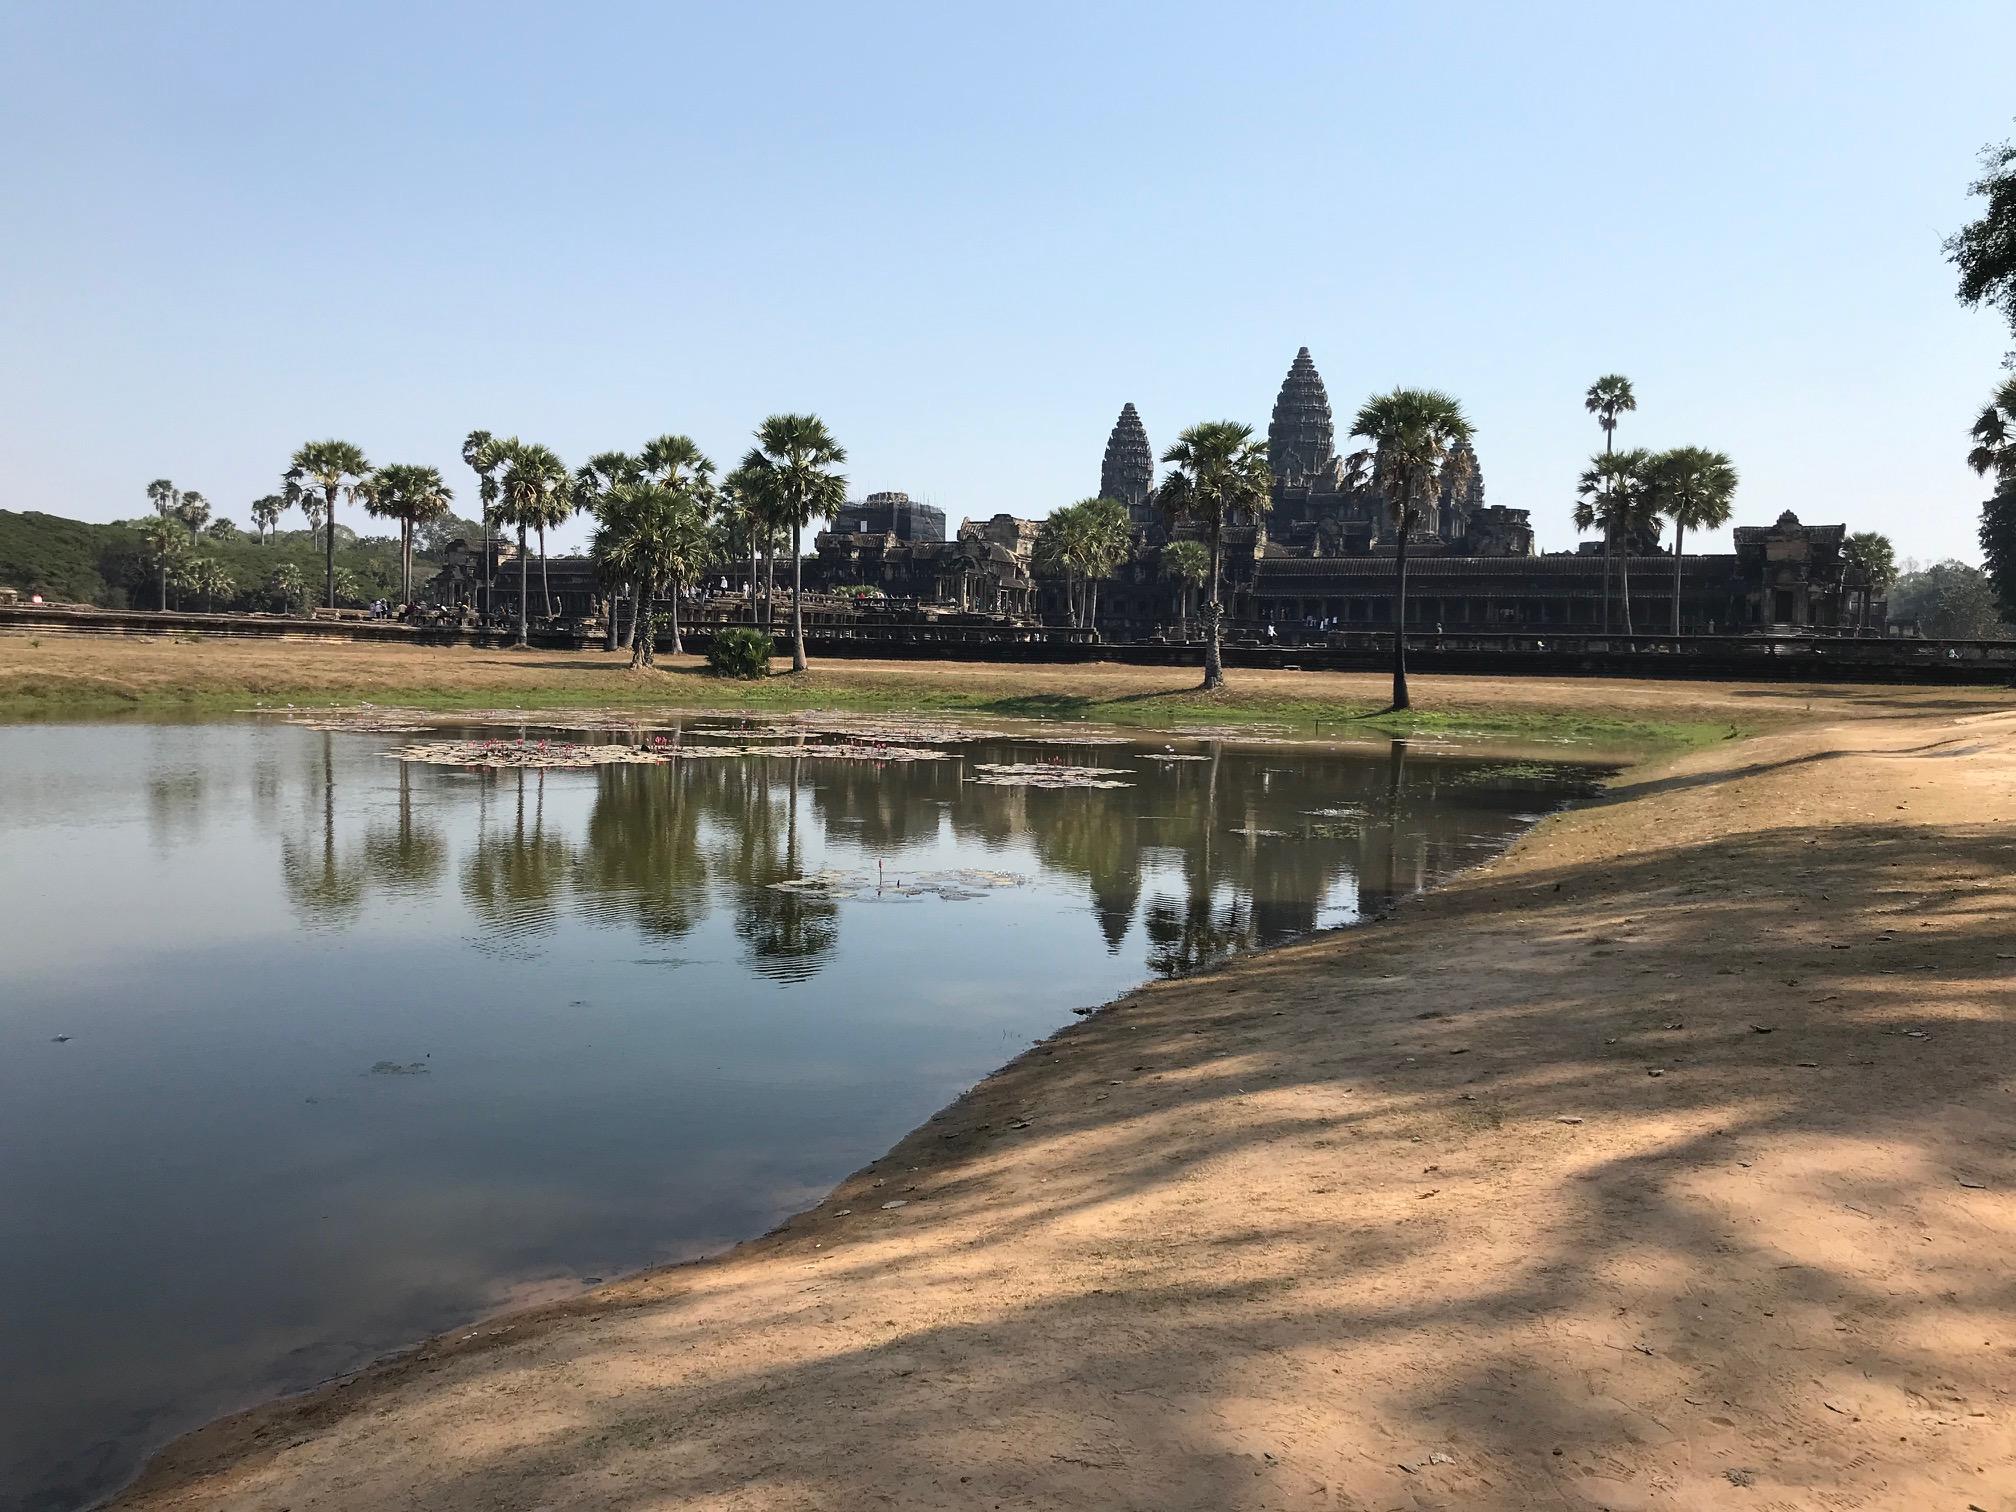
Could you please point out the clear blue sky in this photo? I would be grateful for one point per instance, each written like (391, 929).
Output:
(965, 235)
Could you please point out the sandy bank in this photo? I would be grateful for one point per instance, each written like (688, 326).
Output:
(1398, 1217)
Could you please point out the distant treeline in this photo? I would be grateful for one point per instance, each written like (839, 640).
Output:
(109, 565)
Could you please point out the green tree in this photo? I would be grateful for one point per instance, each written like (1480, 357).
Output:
(592, 482)
(1985, 250)
(167, 545)
(221, 529)
(748, 514)
(678, 463)
(1606, 399)
(290, 587)
(1616, 498)
(413, 495)
(1415, 451)
(534, 489)
(163, 495)
(193, 510)
(796, 456)
(485, 457)
(1873, 562)
(1088, 541)
(1994, 455)
(1186, 564)
(335, 467)
(1055, 554)
(650, 534)
(1694, 488)
(1950, 601)
(1221, 477)
(347, 592)
(266, 512)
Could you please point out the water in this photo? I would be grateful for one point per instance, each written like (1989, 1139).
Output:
(359, 1049)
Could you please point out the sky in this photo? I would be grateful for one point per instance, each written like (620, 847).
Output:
(966, 235)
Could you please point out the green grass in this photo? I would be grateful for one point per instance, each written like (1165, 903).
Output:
(27, 696)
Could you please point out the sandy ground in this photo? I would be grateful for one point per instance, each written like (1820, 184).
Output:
(1669, 1161)
(40, 677)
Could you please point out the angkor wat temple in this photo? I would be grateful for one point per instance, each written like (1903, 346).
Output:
(1322, 556)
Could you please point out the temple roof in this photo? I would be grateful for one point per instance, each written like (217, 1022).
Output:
(1128, 471)
(1301, 438)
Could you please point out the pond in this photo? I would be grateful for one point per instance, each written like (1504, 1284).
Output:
(307, 1051)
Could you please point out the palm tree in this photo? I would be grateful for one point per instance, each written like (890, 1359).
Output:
(1994, 435)
(1057, 550)
(1415, 451)
(678, 463)
(1186, 564)
(193, 510)
(798, 454)
(167, 545)
(209, 577)
(482, 452)
(1694, 488)
(1616, 498)
(654, 534)
(532, 491)
(333, 467)
(1871, 556)
(266, 512)
(592, 482)
(1221, 476)
(747, 509)
(1607, 398)
(412, 494)
(162, 495)
(290, 586)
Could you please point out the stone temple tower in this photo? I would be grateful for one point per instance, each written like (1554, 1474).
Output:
(1128, 473)
(1301, 441)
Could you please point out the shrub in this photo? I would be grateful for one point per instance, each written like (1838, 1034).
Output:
(740, 653)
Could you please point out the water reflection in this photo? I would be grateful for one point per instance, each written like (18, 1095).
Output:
(488, 1030)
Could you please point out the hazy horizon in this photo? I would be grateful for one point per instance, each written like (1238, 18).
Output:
(966, 240)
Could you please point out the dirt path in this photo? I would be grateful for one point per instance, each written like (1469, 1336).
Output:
(1670, 1161)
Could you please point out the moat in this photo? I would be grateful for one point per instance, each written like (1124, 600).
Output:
(306, 1053)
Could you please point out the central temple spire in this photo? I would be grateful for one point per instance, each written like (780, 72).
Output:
(1128, 472)
(1301, 439)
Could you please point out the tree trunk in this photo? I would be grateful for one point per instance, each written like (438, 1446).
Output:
(524, 585)
(752, 572)
(1609, 541)
(489, 561)
(1679, 538)
(1400, 612)
(609, 630)
(769, 590)
(1214, 612)
(545, 589)
(1624, 587)
(798, 663)
(678, 646)
(642, 628)
(329, 547)
(164, 585)
(405, 562)
(1092, 606)
(637, 606)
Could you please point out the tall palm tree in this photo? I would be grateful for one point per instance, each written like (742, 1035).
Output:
(798, 454)
(266, 512)
(1606, 399)
(1415, 449)
(166, 544)
(747, 510)
(655, 534)
(193, 510)
(592, 482)
(1994, 434)
(679, 464)
(531, 492)
(1221, 477)
(1694, 488)
(1615, 498)
(483, 455)
(412, 494)
(163, 496)
(1057, 549)
(1873, 559)
(334, 467)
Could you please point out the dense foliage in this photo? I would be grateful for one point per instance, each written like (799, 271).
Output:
(112, 566)
(743, 654)
(1949, 601)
